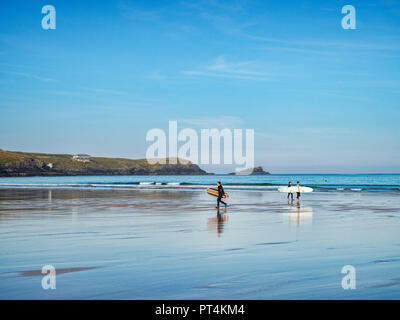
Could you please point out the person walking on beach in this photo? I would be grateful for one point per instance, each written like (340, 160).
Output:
(298, 192)
(221, 194)
(290, 194)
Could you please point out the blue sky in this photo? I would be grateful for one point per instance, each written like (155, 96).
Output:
(320, 98)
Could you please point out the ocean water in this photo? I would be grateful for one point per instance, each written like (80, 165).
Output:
(320, 182)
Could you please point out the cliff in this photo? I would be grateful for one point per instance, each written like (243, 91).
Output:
(13, 164)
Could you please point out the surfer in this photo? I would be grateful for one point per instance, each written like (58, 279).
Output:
(290, 194)
(221, 194)
(298, 192)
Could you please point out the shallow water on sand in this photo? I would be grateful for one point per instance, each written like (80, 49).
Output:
(172, 244)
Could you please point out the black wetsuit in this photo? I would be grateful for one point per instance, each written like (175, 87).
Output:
(290, 193)
(221, 193)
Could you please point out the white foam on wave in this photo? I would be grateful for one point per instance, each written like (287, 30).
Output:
(111, 185)
(134, 186)
(249, 187)
(41, 184)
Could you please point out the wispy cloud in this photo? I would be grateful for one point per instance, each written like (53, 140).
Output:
(221, 68)
(64, 93)
(213, 122)
(233, 19)
(108, 91)
(326, 131)
(227, 17)
(156, 75)
(222, 65)
(222, 75)
(213, 8)
(135, 13)
(122, 97)
(323, 43)
(30, 75)
(383, 83)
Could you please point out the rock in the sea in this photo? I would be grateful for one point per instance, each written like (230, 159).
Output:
(253, 171)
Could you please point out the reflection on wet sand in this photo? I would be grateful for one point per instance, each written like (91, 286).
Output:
(217, 223)
(298, 215)
(90, 194)
(65, 199)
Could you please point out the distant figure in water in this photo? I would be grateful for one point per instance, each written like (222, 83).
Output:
(290, 194)
(221, 194)
(298, 192)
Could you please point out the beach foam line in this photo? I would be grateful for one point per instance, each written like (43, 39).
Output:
(250, 187)
(112, 185)
(179, 185)
(187, 185)
(42, 184)
(140, 185)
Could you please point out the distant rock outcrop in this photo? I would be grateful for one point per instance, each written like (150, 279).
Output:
(252, 171)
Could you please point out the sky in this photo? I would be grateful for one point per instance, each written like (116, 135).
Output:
(320, 98)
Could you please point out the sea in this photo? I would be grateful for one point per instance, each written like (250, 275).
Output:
(319, 182)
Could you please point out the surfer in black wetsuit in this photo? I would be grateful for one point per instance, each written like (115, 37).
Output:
(290, 194)
(221, 194)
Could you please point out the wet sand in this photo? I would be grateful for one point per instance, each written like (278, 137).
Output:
(172, 244)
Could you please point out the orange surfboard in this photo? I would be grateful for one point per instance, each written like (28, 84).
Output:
(214, 192)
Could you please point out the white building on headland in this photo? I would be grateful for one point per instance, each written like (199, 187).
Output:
(81, 157)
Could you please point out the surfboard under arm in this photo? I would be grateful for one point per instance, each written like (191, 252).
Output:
(294, 189)
(214, 192)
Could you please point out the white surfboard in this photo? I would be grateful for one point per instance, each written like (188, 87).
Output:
(294, 189)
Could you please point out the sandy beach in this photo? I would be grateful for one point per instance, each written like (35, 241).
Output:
(172, 244)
